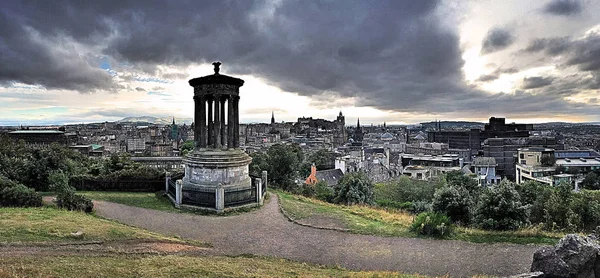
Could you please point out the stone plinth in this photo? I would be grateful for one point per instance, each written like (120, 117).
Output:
(210, 168)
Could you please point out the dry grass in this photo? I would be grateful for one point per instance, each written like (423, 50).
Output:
(51, 224)
(173, 266)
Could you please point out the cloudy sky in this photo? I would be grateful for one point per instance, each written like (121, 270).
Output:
(396, 61)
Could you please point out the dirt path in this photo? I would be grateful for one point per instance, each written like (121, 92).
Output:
(267, 232)
(99, 248)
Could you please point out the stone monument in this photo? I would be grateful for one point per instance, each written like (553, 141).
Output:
(216, 171)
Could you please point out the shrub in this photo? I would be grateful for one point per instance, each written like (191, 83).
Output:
(14, 194)
(354, 188)
(455, 202)
(500, 208)
(72, 201)
(432, 224)
(324, 192)
(19, 196)
(405, 190)
(307, 190)
(421, 206)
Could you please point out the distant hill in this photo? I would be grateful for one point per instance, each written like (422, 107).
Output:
(156, 120)
(453, 124)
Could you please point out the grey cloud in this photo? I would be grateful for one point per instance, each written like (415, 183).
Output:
(563, 7)
(31, 58)
(496, 39)
(536, 82)
(393, 55)
(140, 89)
(550, 46)
(496, 74)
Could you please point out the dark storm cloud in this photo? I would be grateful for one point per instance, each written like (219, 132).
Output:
(563, 7)
(550, 46)
(496, 39)
(496, 74)
(536, 82)
(393, 55)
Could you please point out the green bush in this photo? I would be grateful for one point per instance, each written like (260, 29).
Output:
(71, 201)
(455, 202)
(354, 188)
(500, 208)
(421, 206)
(307, 190)
(405, 189)
(14, 194)
(407, 206)
(19, 196)
(432, 224)
(324, 192)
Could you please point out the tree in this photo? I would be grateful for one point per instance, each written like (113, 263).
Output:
(354, 188)
(322, 159)
(260, 162)
(455, 202)
(500, 208)
(457, 178)
(186, 147)
(548, 160)
(284, 162)
(591, 181)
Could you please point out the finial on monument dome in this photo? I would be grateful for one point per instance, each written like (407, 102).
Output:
(217, 64)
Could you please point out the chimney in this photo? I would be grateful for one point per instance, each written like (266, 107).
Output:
(313, 170)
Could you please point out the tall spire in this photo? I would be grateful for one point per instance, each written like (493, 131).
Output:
(358, 123)
(272, 117)
(173, 120)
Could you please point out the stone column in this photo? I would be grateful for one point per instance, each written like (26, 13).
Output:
(219, 198)
(167, 179)
(259, 194)
(210, 122)
(196, 121)
(264, 179)
(217, 123)
(222, 128)
(230, 124)
(236, 122)
(201, 126)
(178, 193)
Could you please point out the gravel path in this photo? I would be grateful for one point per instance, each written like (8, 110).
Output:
(267, 232)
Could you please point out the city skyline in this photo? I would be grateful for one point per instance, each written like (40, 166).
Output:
(400, 62)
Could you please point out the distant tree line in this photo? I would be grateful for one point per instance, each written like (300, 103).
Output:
(25, 170)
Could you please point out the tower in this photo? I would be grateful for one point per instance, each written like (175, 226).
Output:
(339, 138)
(358, 132)
(174, 135)
(272, 117)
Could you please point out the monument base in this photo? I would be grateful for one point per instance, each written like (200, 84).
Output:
(217, 180)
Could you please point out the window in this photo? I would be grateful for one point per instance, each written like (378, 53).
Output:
(521, 156)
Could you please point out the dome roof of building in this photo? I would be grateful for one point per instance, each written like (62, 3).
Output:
(387, 136)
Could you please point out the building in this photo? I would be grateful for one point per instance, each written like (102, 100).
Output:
(330, 176)
(504, 151)
(473, 139)
(340, 136)
(554, 167)
(40, 137)
(425, 167)
(485, 169)
(169, 163)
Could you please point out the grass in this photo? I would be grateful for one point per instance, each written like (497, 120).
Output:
(136, 199)
(55, 225)
(381, 222)
(155, 201)
(172, 266)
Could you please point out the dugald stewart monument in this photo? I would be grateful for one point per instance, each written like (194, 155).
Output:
(217, 170)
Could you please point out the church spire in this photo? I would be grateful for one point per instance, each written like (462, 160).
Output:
(272, 117)
(358, 123)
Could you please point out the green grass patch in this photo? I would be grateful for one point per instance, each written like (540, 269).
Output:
(51, 224)
(136, 199)
(385, 222)
(173, 266)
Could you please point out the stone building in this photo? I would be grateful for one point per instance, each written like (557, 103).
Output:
(340, 137)
(41, 137)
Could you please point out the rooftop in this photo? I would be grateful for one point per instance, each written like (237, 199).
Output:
(27, 131)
